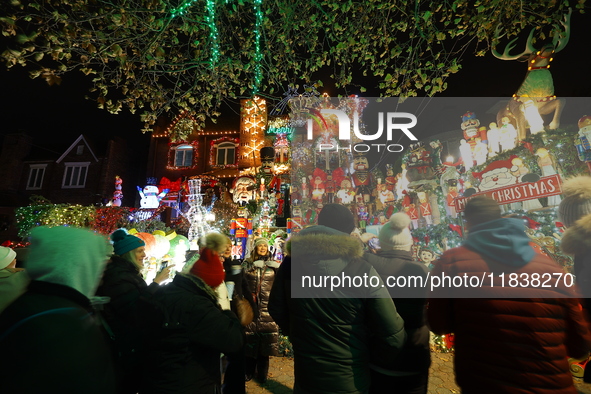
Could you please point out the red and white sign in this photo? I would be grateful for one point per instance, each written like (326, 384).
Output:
(547, 186)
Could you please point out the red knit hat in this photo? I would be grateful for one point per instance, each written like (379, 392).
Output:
(209, 268)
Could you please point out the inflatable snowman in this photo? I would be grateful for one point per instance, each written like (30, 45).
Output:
(150, 196)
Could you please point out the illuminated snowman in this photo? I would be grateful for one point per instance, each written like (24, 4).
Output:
(150, 196)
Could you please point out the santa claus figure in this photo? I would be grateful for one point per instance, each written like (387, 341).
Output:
(318, 188)
(385, 196)
(346, 194)
(243, 190)
(497, 174)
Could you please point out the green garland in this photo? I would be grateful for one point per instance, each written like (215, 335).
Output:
(560, 144)
(103, 220)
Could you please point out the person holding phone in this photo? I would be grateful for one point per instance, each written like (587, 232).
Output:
(124, 284)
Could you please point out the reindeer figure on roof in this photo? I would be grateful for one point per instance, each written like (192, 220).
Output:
(537, 89)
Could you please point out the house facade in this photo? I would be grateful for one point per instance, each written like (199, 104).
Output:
(179, 150)
(79, 172)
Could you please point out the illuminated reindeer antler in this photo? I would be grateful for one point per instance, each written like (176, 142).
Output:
(529, 47)
(561, 38)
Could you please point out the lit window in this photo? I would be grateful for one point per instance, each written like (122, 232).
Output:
(226, 152)
(36, 174)
(183, 156)
(75, 175)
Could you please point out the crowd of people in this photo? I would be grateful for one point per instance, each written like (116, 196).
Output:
(80, 318)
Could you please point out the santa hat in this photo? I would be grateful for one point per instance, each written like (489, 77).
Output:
(577, 200)
(495, 165)
(209, 266)
(395, 235)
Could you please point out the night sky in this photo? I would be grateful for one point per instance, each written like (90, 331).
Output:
(62, 111)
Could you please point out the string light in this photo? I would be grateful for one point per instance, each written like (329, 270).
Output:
(258, 57)
(182, 9)
(210, 19)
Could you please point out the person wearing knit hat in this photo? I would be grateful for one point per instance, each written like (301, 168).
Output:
(52, 328)
(395, 234)
(209, 266)
(13, 281)
(577, 199)
(338, 217)
(124, 285)
(262, 335)
(394, 259)
(208, 327)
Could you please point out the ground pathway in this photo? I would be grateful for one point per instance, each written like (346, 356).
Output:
(441, 377)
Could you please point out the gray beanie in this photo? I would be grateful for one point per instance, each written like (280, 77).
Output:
(577, 200)
(395, 234)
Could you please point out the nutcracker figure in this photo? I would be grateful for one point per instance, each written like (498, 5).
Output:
(452, 194)
(361, 177)
(425, 207)
(413, 213)
(240, 229)
(297, 222)
(329, 188)
(272, 181)
(363, 215)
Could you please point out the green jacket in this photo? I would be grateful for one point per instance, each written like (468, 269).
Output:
(334, 333)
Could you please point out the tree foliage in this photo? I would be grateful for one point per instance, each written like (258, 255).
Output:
(173, 55)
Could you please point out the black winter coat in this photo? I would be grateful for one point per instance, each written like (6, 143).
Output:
(185, 357)
(415, 355)
(241, 288)
(123, 283)
(51, 343)
(333, 333)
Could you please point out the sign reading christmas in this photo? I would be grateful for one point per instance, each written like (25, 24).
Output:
(545, 187)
